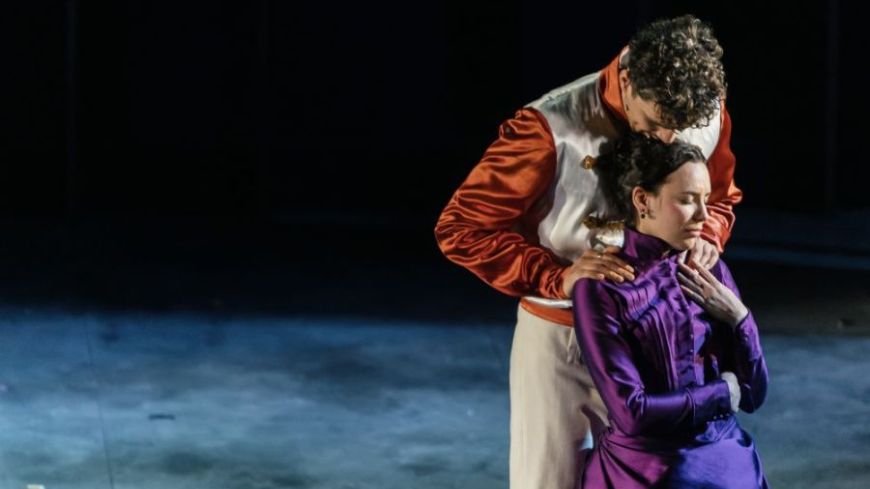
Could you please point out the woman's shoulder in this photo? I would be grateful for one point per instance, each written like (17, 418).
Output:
(601, 293)
(587, 290)
(594, 301)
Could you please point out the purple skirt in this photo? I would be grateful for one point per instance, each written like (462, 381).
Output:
(721, 457)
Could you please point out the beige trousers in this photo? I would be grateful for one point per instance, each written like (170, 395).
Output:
(556, 411)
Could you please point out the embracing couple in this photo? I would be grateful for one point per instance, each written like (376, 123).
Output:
(605, 206)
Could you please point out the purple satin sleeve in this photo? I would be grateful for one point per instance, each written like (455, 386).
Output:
(609, 359)
(748, 359)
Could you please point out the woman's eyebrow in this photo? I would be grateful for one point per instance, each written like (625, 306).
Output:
(700, 194)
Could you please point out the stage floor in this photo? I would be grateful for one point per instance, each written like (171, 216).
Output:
(165, 401)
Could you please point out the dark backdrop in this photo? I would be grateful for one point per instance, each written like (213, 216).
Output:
(326, 127)
(268, 107)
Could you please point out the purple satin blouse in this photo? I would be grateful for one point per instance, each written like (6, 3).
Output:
(655, 357)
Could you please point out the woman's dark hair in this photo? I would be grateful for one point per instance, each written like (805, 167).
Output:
(637, 161)
(677, 63)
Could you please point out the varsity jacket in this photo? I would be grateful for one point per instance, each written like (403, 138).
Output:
(532, 205)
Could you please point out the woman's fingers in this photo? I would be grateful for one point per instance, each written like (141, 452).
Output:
(691, 274)
(691, 294)
(702, 293)
(688, 282)
(698, 273)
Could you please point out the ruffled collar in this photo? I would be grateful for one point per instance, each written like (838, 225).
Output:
(643, 250)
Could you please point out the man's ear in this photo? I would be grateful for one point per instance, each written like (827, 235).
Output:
(624, 80)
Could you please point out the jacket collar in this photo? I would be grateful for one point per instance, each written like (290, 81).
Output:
(609, 89)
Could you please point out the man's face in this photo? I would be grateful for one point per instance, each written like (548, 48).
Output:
(643, 115)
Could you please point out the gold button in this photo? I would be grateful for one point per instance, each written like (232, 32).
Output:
(591, 222)
(588, 162)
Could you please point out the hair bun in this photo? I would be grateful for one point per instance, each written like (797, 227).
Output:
(639, 161)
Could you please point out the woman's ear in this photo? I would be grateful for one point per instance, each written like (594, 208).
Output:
(640, 200)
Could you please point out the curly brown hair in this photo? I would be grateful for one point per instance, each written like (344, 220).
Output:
(677, 63)
(637, 161)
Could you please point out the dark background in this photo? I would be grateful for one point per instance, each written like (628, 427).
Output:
(269, 154)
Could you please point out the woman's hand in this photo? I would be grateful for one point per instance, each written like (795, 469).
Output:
(703, 288)
(733, 389)
(596, 265)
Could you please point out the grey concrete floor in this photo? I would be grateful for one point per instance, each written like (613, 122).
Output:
(145, 400)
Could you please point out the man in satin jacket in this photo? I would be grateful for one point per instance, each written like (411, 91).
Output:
(530, 220)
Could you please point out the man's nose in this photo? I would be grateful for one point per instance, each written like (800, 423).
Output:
(666, 136)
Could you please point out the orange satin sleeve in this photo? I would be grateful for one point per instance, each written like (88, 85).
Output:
(724, 193)
(480, 228)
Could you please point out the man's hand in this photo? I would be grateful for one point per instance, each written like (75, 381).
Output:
(704, 253)
(597, 265)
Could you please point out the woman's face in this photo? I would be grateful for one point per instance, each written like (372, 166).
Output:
(678, 211)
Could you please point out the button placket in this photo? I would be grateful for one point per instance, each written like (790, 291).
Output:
(686, 354)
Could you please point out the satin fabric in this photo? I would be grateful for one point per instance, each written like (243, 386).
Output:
(670, 421)
(489, 226)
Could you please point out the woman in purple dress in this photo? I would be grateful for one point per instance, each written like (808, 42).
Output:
(674, 353)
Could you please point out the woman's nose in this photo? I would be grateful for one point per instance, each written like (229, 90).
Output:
(702, 213)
